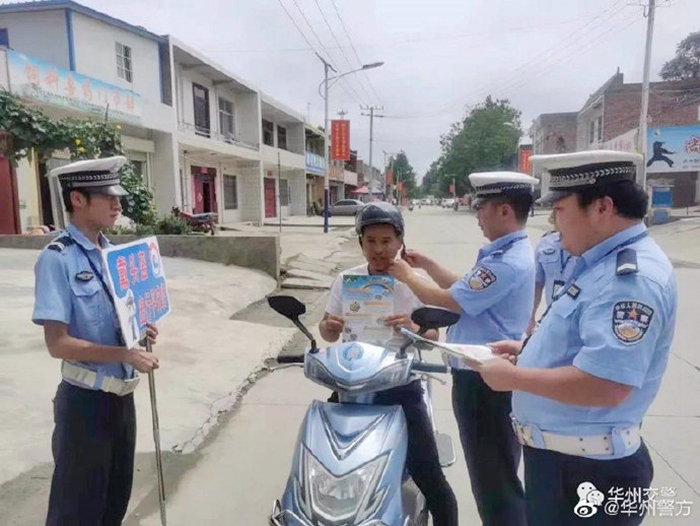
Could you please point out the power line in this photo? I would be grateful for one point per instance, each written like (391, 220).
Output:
(343, 81)
(345, 56)
(455, 36)
(514, 75)
(354, 50)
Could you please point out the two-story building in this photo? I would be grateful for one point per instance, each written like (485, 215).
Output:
(609, 119)
(73, 61)
(203, 139)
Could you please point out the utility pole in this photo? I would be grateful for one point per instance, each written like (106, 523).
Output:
(342, 114)
(642, 140)
(326, 144)
(371, 116)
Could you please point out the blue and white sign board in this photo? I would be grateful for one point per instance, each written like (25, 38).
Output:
(136, 276)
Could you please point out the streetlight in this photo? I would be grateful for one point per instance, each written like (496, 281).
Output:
(326, 80)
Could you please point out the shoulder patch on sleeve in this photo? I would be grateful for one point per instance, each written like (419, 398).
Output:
(626, 262)
(631, 320)
(60, 243)
(482, 278)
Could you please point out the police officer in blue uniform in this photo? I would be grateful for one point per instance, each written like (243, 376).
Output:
(95, 423)
(553, 264)
(495, 301)
(585, 379)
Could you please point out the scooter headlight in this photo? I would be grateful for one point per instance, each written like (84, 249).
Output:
(354, 495)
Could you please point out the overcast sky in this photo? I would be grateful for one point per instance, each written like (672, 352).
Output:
(440, 55)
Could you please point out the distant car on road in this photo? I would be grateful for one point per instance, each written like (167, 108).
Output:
(346, 207)
(448, 203)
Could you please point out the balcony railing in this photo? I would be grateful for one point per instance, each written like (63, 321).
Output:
(229, 138)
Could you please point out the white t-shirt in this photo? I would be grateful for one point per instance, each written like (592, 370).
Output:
(405, 301)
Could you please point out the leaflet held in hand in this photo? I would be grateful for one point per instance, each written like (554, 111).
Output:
(471, 354)
(367, 300)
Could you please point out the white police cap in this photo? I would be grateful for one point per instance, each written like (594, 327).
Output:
(99, 176)
(500, 184)
(574, 172)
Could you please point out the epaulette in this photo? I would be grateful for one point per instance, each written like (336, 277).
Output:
(626, 262)
(549, 233)
(60, 243)
(501, 251)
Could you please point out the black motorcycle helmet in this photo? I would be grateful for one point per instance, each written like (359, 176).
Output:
(379, 213)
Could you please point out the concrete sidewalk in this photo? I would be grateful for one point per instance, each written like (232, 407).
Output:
(208, 360)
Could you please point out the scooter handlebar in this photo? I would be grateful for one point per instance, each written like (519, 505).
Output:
(291, 358)
(429, 368)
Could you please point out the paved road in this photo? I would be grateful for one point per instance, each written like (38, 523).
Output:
(240, 472)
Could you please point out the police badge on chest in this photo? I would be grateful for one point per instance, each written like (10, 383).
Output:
(631, 320)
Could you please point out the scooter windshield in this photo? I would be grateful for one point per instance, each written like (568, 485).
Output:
(358, 368)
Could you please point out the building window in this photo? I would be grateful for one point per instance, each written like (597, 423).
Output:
(600, 129)
(124, 64)
(226, 122)
(281, 137)
(201, 110)
(268, 130)
(591, 132)
(4, 38)
(139, 168)
(284, 192)
(230, 192)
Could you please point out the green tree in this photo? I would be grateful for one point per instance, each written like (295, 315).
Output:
(430, 178)
(686, 63)
(485, 140)
(403, 171)
(31, 130)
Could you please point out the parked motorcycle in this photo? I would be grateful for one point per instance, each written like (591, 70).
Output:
(349, 465)
(410, 207)
(205, 222)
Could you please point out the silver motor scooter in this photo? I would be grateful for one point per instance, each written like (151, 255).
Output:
(349, 465)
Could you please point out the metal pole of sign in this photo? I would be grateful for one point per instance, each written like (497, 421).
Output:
(156, 439)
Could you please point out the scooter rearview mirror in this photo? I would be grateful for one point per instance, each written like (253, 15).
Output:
(433, 318)
(287, 306)
(292, 308)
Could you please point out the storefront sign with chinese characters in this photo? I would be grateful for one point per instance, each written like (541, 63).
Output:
(40, 81)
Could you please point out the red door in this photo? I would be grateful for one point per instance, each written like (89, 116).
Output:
(9, 206)
(204, 183)
(270, 199)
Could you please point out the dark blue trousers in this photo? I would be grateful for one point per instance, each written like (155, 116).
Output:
(552, 481)
(491, 450)
(93, 447)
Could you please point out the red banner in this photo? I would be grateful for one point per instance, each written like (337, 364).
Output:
(400, 186)
(524, 162)
(340, 140)
(452, 189)
(389, 176)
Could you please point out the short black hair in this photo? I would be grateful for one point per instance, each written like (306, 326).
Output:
(630, 199)
(65, 193)
(521, 205)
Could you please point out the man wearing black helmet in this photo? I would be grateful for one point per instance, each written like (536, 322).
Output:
(380, 228)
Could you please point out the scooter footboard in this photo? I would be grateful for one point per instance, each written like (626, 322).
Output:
(348, 466)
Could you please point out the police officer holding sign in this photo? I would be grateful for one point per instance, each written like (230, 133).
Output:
(585, 379)
(495, 302)
(95, 422)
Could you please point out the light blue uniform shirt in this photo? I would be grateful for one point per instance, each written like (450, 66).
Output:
(68, 291)
(553, 265)
(496, 296)
(612, 322)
